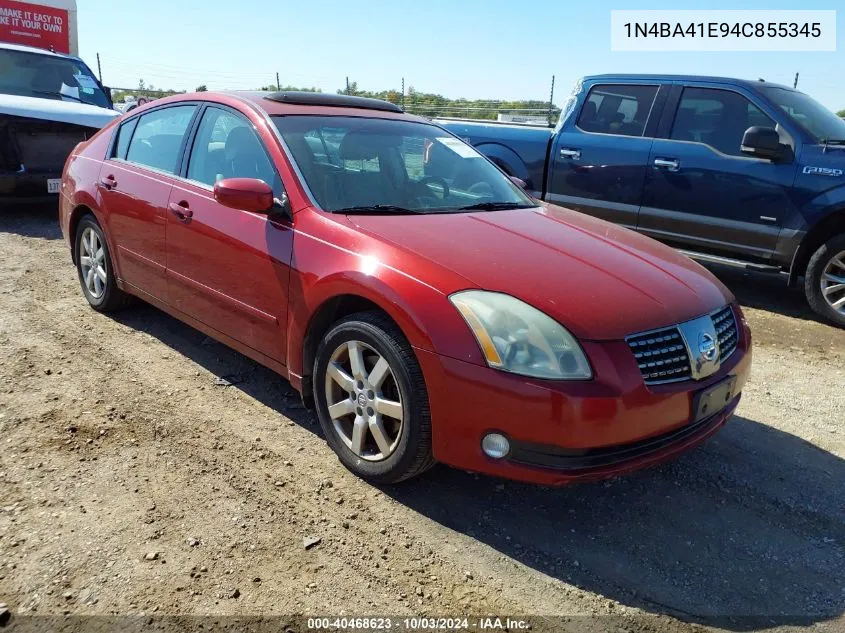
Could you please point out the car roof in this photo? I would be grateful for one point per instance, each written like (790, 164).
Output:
(748, 83)
(32, 49)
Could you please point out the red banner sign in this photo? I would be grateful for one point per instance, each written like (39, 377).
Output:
(34, 25)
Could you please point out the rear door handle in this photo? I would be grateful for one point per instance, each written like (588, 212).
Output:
(574, 154)
(108, 182)
(670, 164)
(181, 210)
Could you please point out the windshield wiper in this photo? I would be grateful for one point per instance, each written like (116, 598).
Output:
(375, 209)
(58, 94)
(496, 206)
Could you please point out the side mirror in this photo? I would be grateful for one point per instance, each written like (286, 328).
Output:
(519, 182)
(762, 142)
(245, 194)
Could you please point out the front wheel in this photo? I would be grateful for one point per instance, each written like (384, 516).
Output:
(371, 399)
(824, 282)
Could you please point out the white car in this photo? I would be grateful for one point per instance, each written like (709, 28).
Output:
(49, 102)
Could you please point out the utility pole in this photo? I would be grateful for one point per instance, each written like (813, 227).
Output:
(795, 84)
(402, 101)
(278, 85)
(551, 100)
(347, 85)
(99, 70)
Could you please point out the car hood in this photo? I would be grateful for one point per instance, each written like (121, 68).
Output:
(56, 110)
(599, 280)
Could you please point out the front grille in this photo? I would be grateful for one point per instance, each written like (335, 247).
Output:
(726, 331)
(661, 356)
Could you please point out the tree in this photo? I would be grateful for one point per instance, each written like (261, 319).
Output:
(841, 113)
(202, 88)
(434, 105)
(274, 88)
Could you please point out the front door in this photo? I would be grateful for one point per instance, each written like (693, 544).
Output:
(599, 157)
(702, 193)
(228, 268)
(135, 182)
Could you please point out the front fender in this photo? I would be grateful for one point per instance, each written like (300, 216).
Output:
(325, 269)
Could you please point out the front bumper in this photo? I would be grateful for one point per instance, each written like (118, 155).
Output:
(563, 432)
(27, 188)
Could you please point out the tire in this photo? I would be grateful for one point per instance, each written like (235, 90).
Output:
(405, 447)
(103, 295)
(822, 265)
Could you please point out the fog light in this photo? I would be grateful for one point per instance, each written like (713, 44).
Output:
(495, 445)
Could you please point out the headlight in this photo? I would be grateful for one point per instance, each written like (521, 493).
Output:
(520, 339)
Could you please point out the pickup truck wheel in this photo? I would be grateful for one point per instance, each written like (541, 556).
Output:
(824, 282)
(371, 399)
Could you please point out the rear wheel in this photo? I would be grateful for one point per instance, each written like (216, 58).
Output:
(94, 266)
(824, 282)
(371, 399)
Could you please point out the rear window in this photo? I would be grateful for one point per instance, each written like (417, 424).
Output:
(617, 109)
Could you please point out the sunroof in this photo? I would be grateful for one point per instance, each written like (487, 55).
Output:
(342, 101)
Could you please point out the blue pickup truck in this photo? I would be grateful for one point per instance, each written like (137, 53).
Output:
(743, 173)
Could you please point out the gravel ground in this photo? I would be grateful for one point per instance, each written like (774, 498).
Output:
(131, 483)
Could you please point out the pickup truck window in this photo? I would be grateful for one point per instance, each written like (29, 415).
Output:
(717, 118)
(820, 122)
(385, 165)
(617, 109)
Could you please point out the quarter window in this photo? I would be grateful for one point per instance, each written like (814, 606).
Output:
(717, 118)
(227, 146)
(158, 137)
(124, 135)
(617, 109)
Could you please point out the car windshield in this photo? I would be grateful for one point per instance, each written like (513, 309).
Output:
(370, 165)
(808, 113)
(49, 77)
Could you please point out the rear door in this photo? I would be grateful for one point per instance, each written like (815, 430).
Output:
(228, 268)
(135, 182)
(702, 193)
(599, 158)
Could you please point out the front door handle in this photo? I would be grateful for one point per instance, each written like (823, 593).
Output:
(109, 182)
(574, 154)
(671, 164)
(181, 210)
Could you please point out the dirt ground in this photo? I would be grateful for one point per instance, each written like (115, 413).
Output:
(131, 483)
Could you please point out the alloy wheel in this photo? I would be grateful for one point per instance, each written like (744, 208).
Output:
(92, 263)
(833, 283)
(364, 401)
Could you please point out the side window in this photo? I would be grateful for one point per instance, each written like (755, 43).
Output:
(158, 137)
(717, 118)
(124, 135)
(617, 109)
(226, 146)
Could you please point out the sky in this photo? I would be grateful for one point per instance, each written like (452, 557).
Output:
(478, 49)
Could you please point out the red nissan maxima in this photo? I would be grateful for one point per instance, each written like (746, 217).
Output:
(421, 302)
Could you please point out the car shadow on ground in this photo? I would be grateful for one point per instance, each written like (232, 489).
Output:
(746, 532)
(41, 220)
(765, 291)
(223, 363)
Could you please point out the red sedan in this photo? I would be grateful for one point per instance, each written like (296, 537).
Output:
(421, 302)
